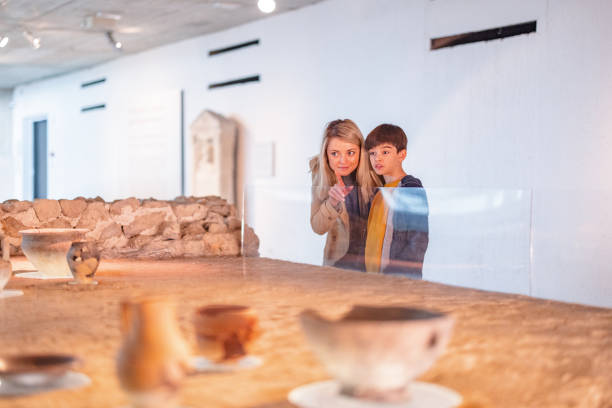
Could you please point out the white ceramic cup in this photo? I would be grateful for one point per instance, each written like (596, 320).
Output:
(46, 249)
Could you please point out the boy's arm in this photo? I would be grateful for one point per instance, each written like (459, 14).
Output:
(408, 253)
(410, 231)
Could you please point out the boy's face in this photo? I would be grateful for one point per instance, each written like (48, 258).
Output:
(385, 159)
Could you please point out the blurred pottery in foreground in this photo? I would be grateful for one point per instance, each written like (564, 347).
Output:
(154, 357)
(225, 332)
(83, 260)
(376, 352)
(35, 369)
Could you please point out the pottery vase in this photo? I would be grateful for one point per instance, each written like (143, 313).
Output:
(154, 356)
(83, 259)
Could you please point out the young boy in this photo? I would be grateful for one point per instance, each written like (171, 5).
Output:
(398, 231)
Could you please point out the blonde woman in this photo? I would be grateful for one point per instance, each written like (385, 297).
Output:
(343, 184)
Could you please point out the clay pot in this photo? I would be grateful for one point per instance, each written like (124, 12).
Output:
(154, 356)
(376, 352)
(46, 248)
(6, 271)
(83, 260)
(225, 332)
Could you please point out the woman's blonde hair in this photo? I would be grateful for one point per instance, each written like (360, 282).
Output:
(322, 174)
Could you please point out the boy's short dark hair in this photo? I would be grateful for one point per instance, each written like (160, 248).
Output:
(386, 133)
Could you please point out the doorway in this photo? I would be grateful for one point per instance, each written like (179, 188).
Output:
(39, 133)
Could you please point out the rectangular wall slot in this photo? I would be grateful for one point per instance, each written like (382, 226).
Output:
(93, 107)
(484, 35)
(254, 78)
(232, 47)
(92, 83)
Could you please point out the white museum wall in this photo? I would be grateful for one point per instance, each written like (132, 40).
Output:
(525, 113)
(6, 157)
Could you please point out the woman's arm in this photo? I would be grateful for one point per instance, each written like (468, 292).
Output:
(323, 214)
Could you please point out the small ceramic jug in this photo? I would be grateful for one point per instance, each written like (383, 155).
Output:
(83, 259)
(154, 356)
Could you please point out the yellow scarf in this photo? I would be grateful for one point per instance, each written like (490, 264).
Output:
(377, 226)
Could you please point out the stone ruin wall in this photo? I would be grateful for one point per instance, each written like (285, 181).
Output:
(133, 228)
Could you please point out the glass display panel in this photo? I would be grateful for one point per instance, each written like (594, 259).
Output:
(479, 238)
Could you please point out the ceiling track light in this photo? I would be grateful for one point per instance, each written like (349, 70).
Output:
(266, 6)
(111, 39)
(226, 5)
(101, 21)
(34, 41)
(4, 40)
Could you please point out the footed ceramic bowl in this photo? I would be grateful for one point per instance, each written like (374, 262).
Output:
(35, 369)
(376, 352)
(46, 248)
(226, 332)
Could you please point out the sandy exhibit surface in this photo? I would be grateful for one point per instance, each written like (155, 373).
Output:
(506, 351)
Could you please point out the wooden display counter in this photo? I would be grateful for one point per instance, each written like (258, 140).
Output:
(506, 350)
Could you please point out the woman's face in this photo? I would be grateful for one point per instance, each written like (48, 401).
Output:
(343, 156)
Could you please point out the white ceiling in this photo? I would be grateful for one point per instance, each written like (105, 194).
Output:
(66, 45)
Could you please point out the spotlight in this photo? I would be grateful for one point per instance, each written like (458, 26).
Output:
(111, 39)
(3, 41)
(34, 41)
(266, 6)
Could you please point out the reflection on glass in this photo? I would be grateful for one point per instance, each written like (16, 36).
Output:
(468, 237)
(338, 209)
(391, 236)
(398, 231)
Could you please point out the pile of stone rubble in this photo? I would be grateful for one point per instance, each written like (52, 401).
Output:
(133, 228)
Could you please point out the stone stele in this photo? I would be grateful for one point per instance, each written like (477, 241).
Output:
(214, 139)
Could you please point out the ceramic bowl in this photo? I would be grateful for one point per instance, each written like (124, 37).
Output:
(226, 332)
(46, 248)
(36, 369)
(376, 352)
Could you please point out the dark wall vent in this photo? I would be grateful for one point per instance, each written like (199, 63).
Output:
(93, 107)
(254, 78)
(484, 35)
(94, 82)
(232, 48)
